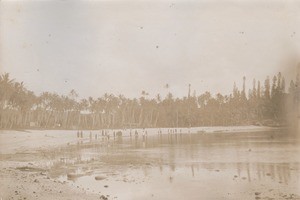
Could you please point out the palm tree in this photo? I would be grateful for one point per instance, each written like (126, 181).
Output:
(6, 89)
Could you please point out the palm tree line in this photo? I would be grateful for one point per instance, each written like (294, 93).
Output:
(265, 103)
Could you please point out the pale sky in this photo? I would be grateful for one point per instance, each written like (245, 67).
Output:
(124, 47)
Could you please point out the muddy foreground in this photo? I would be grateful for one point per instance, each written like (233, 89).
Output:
(16, 184)
(256, 165)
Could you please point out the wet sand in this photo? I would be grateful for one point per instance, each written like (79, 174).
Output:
(197, 165)
(17, 141)
(16, 184)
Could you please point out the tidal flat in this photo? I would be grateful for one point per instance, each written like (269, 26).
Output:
(198, 163)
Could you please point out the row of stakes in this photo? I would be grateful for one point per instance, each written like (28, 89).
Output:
(105, 133)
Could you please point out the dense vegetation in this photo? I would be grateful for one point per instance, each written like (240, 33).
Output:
(266, 103)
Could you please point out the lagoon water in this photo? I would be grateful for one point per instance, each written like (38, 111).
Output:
(195, 165)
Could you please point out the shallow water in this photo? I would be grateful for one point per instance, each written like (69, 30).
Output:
(179, 165)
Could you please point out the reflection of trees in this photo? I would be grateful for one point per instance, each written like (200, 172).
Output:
(280, 173)
(199, 149)
(195, 150)
(193, 172)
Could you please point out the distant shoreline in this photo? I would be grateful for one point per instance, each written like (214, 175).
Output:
(208, 129)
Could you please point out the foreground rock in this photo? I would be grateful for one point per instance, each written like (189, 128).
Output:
(18, 184)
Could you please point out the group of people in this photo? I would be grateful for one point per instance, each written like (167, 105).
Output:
(105, 133)
(136, 133)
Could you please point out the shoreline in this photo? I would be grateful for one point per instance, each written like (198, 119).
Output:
(20, 141)
(222, 128)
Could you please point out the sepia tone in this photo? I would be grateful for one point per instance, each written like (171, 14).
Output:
(149, 100)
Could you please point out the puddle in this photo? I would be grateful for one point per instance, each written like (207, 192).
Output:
(30, 169)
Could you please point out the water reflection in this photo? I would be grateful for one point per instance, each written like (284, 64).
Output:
(247, 156)
(136, 162)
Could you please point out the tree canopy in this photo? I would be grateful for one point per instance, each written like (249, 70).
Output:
(270, 104)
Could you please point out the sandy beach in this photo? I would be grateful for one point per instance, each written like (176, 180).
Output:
(205, 163)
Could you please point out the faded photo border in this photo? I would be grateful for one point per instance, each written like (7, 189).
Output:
(134, 99)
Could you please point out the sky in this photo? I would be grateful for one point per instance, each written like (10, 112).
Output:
(125, 47)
